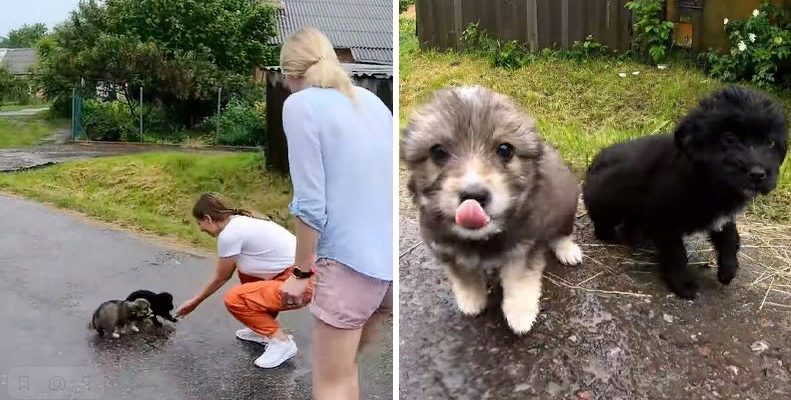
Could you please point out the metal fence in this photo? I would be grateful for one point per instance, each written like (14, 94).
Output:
(133, 99)
(539, 23)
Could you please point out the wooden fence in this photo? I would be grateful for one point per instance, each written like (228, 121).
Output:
(539, 23)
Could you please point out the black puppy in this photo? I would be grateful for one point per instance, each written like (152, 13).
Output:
(723, 153)
(161, 304)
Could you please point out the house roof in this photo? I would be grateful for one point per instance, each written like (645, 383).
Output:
(18, 61)
(360, 70)
(363, 26)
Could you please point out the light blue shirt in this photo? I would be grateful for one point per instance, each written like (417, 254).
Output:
(341, 162)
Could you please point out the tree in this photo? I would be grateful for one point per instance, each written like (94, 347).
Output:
(6, 81)
(11, 88)
(26, 36)
(180, 52)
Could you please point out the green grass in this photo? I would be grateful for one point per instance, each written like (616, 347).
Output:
(155, 192)
(580, 106)
(28, 130)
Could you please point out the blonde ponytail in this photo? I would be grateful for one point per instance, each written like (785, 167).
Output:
(309, 54)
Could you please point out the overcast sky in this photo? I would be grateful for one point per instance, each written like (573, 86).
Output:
(15, 13)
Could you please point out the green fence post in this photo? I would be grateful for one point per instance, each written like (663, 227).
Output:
(76, 115)
(73, 125)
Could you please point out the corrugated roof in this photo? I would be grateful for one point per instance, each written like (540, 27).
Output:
(18, 61)
(359, 70)
(364, 26)
(372, 56)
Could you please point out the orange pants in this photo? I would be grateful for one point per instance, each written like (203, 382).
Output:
(256, 302)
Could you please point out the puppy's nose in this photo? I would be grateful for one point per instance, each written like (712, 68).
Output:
(757, 174)
(477, 193)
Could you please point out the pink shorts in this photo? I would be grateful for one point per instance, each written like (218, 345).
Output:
(346, 299)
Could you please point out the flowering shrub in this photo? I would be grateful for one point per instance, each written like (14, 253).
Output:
(651, 30)
(760, 49)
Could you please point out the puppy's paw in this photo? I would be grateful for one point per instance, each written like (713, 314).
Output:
(683, 285)
(520, 316)
(566, 251)
(116, 335)
(135, 329)
(471, 301)
(726, 272)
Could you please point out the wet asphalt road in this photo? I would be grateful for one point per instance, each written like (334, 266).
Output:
(23, 113)
(55, 269)
(592, 345)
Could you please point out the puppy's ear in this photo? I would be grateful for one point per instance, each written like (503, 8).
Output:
(408, 146)
(685, 132)
(402, 145)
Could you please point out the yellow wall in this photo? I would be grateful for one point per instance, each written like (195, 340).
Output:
(714, 12)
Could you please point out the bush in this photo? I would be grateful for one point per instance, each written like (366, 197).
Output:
(155, 120)
(60, 106)
(760, 49)
(159, 125)
(589, 48)
(476, 40)
(651, 30)
(14, 89)
(109, 121)
(404, 4)
(509, 54)
(512, 54)
(239, 124)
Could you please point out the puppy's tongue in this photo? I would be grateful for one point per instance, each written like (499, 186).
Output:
(471, 215)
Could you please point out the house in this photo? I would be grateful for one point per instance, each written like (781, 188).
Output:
(360, 30)
(19, 62)
(362, 33)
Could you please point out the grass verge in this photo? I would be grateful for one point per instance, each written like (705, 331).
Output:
(28, 130)
(581, 106)
(154, 192)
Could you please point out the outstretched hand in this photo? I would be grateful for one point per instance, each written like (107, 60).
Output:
(187, 307)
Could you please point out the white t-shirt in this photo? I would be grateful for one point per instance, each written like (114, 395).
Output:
(264, 248)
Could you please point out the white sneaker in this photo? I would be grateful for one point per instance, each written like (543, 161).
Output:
(251, 336)
(276, 353)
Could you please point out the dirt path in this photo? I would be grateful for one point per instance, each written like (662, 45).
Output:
(588, 344)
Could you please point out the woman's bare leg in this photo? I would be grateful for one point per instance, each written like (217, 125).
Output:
(335, 362)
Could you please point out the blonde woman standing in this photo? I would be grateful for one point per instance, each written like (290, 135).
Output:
(340, 149)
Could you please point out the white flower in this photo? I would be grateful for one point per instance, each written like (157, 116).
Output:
(725, 21)
(756, 13)
(752, 37)
(742, 46)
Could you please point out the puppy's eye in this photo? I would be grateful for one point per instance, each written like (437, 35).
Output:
(505, 151)
(729, 139)
(438, 154)
(771, 143)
